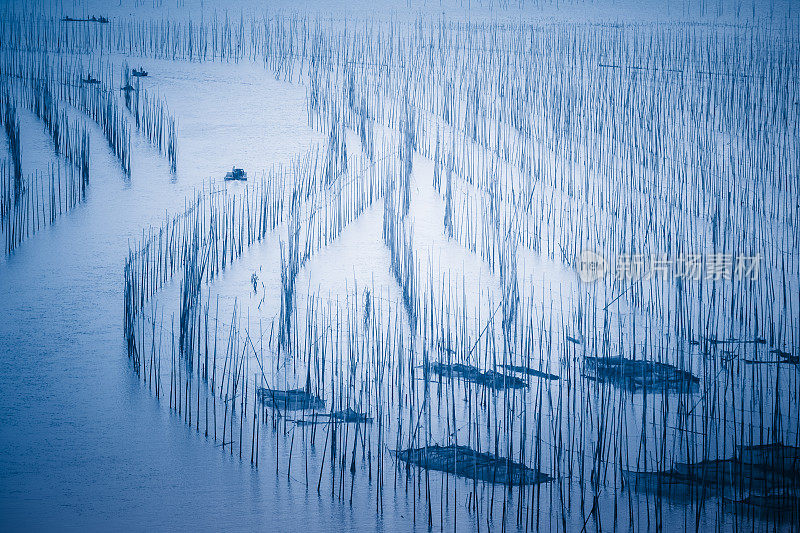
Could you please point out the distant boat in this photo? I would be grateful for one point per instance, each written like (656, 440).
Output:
(90, 80)
(236, 174)
(101, 20)
(141, 73)
(289, 400)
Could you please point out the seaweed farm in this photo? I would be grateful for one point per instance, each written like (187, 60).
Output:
(398, 267)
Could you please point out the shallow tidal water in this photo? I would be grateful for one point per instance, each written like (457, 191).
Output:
(81, 442)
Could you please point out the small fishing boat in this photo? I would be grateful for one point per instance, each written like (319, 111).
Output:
(668, 483)
(708, 473)
(289, 400)
(652, 480)
(236, 174)
(101, 20)
(530, 371)
(472, 464)
(775, 457)
(141, 73)
(779, 506)
(638, 375)
(90, 80)
(489, 378)
(346, 416)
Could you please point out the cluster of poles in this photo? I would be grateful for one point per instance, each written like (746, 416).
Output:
(64, 93)
(30, 201)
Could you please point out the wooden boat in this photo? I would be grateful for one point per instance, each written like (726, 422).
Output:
(530, 371)
(90, 80)
(466, 462)
(101, 20)
(236, 174)
(289, 400)
(638, 375)
(778, 505)
(345, 416)
(651, 479)
(141, 73)
(711, 473)
(669, 483)
(775, 457)
(473, 374)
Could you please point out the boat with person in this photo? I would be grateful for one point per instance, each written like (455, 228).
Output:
(236, 174)
(100, 20)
